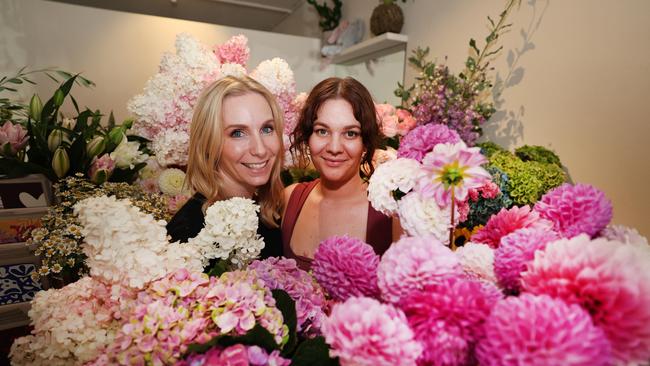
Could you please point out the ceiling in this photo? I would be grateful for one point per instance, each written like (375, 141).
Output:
(251, 14)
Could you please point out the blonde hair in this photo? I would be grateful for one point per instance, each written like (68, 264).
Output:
(206, 145)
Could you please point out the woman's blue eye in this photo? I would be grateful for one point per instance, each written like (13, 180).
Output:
(267, 130)
(237, 133)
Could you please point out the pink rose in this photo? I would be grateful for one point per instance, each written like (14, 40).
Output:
(406, 121)
(13, 138)
(389, 126)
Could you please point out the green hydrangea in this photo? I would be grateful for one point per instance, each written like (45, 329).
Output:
(529, 180)
(537, 153)
(488, 148)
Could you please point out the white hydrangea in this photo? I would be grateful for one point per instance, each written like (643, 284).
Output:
(126, 246)
(624, 234)
(235, 70)
(172, 182)
(127, 154)
(171, 147)
(421, 216)
(399, 174)
(230, 232)
(477, 260)
(275, 75)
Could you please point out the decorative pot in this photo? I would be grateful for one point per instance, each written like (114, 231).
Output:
(386, 18)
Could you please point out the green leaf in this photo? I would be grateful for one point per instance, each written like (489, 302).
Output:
(287, 306)
(77, 155)
(313, 352)
(15, 81)
(472, 43)
(220, 267)
(258, 336)
(74, 102)
(111, 121)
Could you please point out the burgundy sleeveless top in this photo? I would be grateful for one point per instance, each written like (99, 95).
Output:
(379, 228)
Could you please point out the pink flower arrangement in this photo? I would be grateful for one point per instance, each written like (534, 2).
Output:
(540, 330)
(236, 355)
(623, 234)
(507, 221)
(516, 250)
(456, 308)
(346, 267)
(453, 169)
(411, 264)
(234, 51)
(387, 119)
(364, 332)
(575, 209)
(101, 168)
(610, 280)
(13, 138)
(284, 274)
(405, 121)
(422, 139)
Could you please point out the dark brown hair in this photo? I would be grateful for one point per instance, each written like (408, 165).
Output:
(364, 111)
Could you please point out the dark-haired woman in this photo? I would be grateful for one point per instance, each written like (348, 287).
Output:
(338, 132)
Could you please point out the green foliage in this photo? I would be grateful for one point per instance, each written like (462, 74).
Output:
(488, 148)
(537, 153)
(313, 352)
(258, 336)
(298, 175)
(329, 17)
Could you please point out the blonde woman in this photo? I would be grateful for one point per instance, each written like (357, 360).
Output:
(235, 150)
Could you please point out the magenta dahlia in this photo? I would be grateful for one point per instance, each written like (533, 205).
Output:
(540, 330)
(413, 263)
(456, 308)
(346, 267)
(364, 332)
(422, 139)
(516, 250)
(506, 221)
(575, 209)
(608, 279)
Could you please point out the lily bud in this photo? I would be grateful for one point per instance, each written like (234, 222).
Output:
(58, 97)
(116, 135)
(35, 108)
(55, 139)
(69, 123)
(101, 169)
(96, 146)
(60, 162)
(127, 123)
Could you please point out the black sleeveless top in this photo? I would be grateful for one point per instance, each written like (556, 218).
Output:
(189, 221)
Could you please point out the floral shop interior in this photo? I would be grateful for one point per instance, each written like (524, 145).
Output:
(324, 182)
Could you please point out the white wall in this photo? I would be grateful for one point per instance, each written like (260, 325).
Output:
(582, 87)
(120, 51)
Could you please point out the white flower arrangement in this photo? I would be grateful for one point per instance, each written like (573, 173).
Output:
(126, 246)
(477, 260)
(127, 154)
(421, 216)
(170, 147)
(400, 174)
(276, 75)
(230, 232)
(171, 181)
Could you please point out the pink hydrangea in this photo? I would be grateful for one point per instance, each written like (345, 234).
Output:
(507, 221)
(346, 267)
(13, 138)
(540, 330)
(284, 274)
(423, 139)
(608, 279)
(236, 355)
(411, 264)
(516, 250)
(456, 308)
(575, 209)
(364, 332)
(234, 51)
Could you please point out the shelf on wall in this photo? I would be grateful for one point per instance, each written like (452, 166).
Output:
(372, 48)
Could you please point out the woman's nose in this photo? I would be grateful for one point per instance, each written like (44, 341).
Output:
(257, 146)
(334, 144)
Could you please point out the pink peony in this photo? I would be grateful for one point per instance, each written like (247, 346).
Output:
(362, 331)
(453, 169)
(411, 264)
(516, 250)
(608, 279)
(507, 221)
(423, 139)
(13, 138)
(575, 209)
(453, 310)
(540, 330)
(346, 267)
(406, 122)
(234, 51)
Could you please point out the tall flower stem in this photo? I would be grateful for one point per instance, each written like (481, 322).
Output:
(451, 225)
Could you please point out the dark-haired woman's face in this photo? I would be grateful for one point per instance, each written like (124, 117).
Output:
(335, 145)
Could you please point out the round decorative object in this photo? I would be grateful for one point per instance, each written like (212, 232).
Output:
(386, 18)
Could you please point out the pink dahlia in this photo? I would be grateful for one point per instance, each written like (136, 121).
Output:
(346, 267)
(456, 308)
(453, 170)
(575, 209)
(421, 140)
(608, 279)
(623, 234)
(507, 221)
(477, 260)
(284, 274)
(234, 51)
(517, 249)
(413, 263)
(362, 331)
(540, 330)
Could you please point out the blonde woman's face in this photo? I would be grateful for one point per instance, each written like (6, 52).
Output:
(251, 144)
